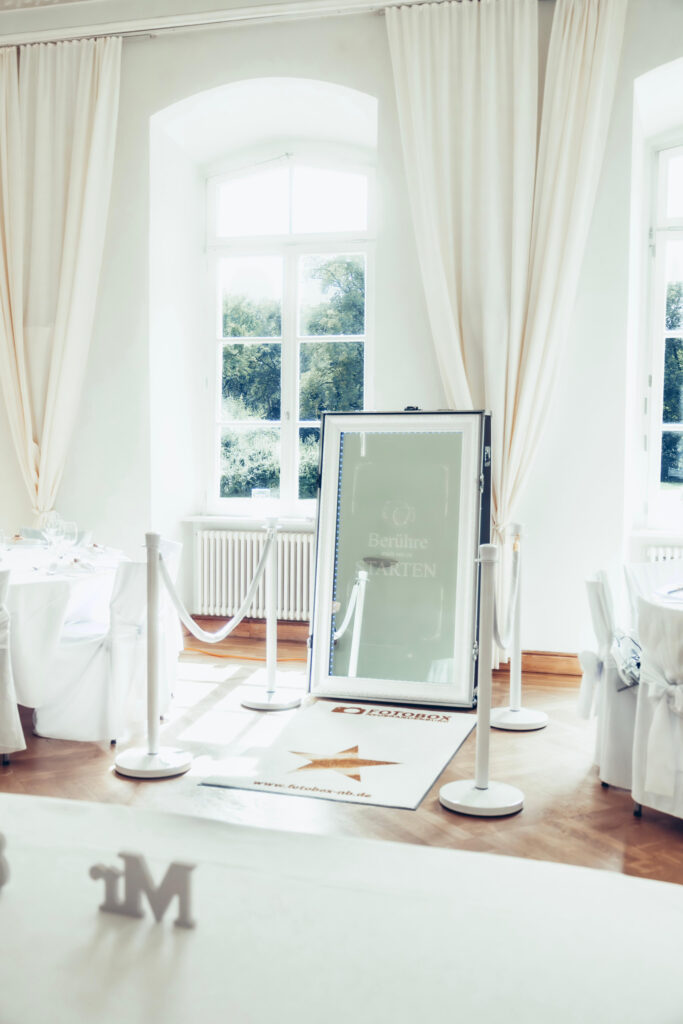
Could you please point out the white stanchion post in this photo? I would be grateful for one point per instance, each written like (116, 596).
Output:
(479, 796)
(514, 716)
(271, 699)
(155, 762)
(357, 624)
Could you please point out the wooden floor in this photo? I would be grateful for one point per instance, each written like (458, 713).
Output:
(567, 815)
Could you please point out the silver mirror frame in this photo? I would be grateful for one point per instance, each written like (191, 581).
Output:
(475, 517)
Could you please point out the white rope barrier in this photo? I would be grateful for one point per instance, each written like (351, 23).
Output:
(225, 631)
(339, 633)
(156, 762)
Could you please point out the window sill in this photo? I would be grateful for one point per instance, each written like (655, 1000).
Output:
(231, 521)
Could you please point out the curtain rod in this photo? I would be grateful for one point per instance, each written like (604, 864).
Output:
(294, 10)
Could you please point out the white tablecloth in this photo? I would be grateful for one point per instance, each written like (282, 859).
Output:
(45, 593)
(317, 930)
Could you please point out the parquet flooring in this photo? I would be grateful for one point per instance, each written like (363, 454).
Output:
(567, 817)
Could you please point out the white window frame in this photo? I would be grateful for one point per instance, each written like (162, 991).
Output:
(291, 247)
(664, 507)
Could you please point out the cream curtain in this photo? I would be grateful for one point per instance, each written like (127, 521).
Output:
(466, 83)
(501, 228)
(58, 113)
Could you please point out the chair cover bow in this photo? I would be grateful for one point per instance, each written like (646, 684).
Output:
(667, 694)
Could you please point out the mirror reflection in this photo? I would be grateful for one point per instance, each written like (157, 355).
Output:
(396, 555)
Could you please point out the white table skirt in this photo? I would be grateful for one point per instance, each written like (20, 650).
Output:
(44, 594)
(309, 929)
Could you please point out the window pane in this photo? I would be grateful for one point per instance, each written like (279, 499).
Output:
(674, 187)
(251, 382)
(328, 201)
(672, 405)
(257, 204)
(332, 295)
(309, 443)
(330, 377)
(251, 296)
(249, 459)
(672, 459)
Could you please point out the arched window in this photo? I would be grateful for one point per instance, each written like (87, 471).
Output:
(287, 169)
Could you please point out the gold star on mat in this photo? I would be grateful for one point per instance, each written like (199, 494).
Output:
(346, 762)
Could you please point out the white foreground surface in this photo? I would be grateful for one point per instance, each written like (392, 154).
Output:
(309, 929)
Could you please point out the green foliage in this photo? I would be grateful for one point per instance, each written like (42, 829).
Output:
(672, 397)
(342, 282)
(331, 378)
(251, 381)
(672, 458)
(673, 381)
(674, 305)
(249, 459)
(308, 463)
(243, 318)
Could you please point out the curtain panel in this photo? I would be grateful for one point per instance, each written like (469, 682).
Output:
(500, 220)
(58, 115)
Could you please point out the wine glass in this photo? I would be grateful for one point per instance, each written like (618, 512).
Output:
(52, 528)
(69, 536)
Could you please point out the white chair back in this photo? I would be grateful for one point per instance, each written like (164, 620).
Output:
(43, 605)
(11, 732)
(602, 611)
(593, 663)
(128, 604)
(601, 688)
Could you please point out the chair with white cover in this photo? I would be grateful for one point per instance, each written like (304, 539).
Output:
(96, 679)
(602, 691)
(651, 580)
(37, 613)
(11, 732)
(658, 740)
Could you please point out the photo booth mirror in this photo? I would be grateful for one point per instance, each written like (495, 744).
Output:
(404, 504)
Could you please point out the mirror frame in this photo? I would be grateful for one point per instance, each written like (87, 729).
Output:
(475, 529)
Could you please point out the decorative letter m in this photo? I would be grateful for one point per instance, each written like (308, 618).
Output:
(138, 881)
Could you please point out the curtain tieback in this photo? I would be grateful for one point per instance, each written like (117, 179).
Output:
(660, 765)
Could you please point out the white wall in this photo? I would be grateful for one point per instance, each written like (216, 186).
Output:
(178, 388)
(573, 507)
(108, 483)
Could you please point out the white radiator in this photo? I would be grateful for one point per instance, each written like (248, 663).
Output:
(225, 563)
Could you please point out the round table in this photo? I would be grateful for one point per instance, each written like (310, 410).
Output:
(320, 930)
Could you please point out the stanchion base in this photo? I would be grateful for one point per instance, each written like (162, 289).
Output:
(520, 719)
(138, 763)
(265, 700)
(495, 801)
